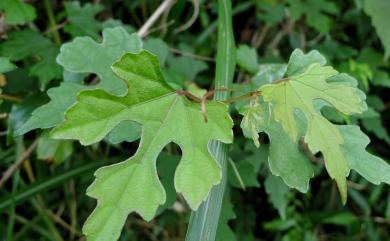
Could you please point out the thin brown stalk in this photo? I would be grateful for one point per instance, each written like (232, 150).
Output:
(194, 56)
(18, 163)
(11, 98)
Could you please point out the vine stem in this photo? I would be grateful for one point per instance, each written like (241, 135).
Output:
(204, 222)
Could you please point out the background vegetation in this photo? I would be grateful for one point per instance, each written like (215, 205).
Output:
(42, 191)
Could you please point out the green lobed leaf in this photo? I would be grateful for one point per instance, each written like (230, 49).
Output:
(378, 11)
(299, 91)
(17, 12)
(315, 12)
(166, 117)
(84, 55)
(17, 48)
(285, 157)
(82, 19)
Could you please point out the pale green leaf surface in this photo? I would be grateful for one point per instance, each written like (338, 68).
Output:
(6, 65)
(84, 55)
(166, 117)
(82, 19)
(285, 157)
(247, 58)
(369, 166)
(378, 10)
(299, 92)
(17, 12)
(125, 131)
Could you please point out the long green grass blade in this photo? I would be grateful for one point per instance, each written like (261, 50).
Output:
(204, 222)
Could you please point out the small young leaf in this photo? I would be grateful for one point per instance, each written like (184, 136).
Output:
(166, 117)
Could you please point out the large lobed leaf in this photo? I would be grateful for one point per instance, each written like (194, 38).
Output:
(133, 185)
